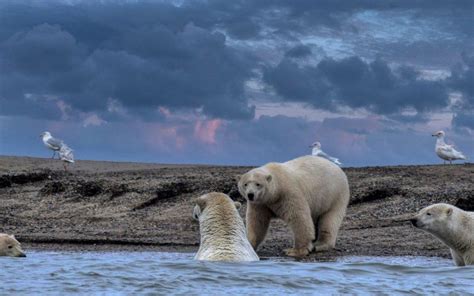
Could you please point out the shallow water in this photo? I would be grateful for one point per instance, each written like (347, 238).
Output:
(125, 273)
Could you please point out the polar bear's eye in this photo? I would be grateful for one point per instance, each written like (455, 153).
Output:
(245, 185)
(10, 247)
(428, 214)
(258, 184)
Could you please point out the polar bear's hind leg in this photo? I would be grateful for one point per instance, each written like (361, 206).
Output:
(328, 227)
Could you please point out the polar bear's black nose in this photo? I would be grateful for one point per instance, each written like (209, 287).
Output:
(250, 196)
(413, 221)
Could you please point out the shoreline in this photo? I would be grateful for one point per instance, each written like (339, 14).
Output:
(132, 206)
(104, 247)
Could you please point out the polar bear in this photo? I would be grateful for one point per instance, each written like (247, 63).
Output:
(453, 226)
(309, 193)
(223, 236)
(9, 246)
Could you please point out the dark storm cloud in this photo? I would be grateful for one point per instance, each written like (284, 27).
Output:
(148, 54)
(144, 55)
(299, 51)
(246, 19)
(464, 120)
(462, 80)
(402, 31)
(355, 83)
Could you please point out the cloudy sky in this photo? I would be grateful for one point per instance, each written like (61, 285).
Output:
(237, 82)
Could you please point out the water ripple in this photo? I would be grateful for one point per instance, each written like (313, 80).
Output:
(124, 273)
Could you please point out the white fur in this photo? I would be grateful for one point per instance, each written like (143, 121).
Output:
(9, 246)
(223, 235)
(309, 193)
(453, 226)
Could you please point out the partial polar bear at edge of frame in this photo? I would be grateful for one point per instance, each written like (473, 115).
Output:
(223, 235)
(309, 193)
(451, 225)
(9, 246)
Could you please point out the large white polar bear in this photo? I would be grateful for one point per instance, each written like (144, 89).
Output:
(453, 226)
(309, 193)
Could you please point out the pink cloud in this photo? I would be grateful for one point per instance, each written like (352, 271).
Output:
(205, 131)
(93, 120)
(159, 136)
(64, 108)
(165, 111)
(173, 136)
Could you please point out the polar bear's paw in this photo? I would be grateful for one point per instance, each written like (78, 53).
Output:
(293, 252)
(322, 247)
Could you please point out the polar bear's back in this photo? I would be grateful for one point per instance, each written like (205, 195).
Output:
(322, 182)
(230, 252)
(223, 234)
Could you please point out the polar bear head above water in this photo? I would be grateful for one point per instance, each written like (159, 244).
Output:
(453, 226)
(9, 246)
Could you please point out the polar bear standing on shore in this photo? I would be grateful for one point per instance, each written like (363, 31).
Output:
(9, 246)
(223, 236)
(453, 226)
(309, 193)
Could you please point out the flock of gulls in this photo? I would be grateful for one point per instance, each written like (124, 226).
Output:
(446, 152)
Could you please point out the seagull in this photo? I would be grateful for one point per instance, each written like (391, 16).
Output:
(446, 151)
(66, 155)
(51, 143)
(318, 152)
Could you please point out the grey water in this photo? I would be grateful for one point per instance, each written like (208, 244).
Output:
(159, 273)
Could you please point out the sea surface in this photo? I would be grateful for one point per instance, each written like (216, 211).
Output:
(160, 273)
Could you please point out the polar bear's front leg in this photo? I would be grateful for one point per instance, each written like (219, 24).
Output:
(258, 219)
(301, 223)
(458, 260)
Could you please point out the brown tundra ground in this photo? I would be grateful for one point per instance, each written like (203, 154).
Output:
(130, 206)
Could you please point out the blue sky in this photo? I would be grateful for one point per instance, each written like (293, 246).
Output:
(237, 82)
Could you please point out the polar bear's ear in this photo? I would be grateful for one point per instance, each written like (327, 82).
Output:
(196, 212)
(237, 178)
(237, 205)
(269, 178)
(449, 211)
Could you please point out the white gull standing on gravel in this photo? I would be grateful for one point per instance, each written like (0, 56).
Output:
(318, 152)
(51, 143)
(446, 151)
(66, 155)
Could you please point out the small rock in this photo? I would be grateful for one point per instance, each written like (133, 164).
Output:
(52, 188)
(465, 203)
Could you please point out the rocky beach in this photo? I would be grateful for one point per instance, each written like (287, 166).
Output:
(100, 205)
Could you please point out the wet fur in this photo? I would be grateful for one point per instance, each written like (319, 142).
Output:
(9, 246)
(223, 235)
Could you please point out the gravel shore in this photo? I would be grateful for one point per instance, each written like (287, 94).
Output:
(131, 206)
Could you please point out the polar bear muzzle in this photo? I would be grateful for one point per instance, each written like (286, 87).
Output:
(9, 246)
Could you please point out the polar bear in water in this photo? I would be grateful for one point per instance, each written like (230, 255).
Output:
(452, 226)
(9, 246)
(223, 236)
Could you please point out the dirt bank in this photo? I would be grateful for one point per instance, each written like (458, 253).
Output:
(107, 205)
